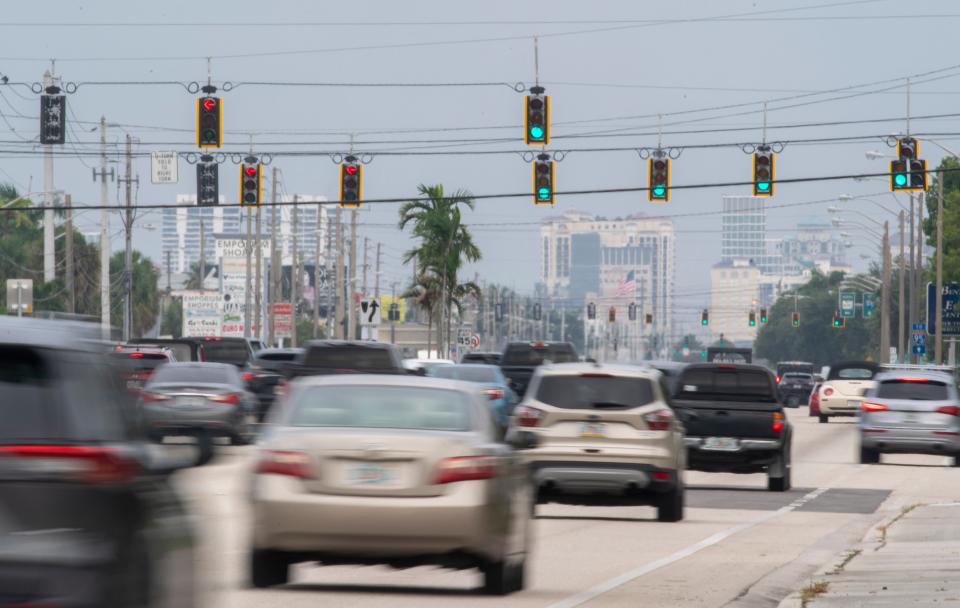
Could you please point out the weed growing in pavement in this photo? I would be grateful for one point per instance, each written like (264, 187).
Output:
(883, 529)
(852, 553)
(811, 591)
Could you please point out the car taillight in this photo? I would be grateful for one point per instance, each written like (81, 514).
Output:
(229, 398)
(661, 475)
(868, 406)
(85, 464)
(493, 393)
(285, 462)
(466, 468)
(248, 376)
(815, 398)
(949, 410)
(777, 422)
(527, 416)
(827, 392)
(659, 420)
(778, 379)
(146, 396)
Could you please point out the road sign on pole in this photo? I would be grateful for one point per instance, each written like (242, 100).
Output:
(20, 296)
(163, 167)
(369, 312)
(869, 304)
(848, 304)
(283, 320)
(951, 309)
(918, 342)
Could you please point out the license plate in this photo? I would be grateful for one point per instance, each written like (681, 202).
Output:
(721, 444)
(135, 384)
(910, 418)
(191, 401)
(593, 429)
(370, 474)
(853, 404)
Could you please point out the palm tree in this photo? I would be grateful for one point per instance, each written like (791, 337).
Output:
(425, 291)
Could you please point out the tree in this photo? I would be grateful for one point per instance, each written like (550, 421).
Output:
(951, 217)
(172, 321)
(146, 295)
(425, 292)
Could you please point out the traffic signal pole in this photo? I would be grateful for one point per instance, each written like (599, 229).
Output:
(902, 310)
(885, 297)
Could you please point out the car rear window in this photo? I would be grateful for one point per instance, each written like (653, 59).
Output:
(29, 395)
(192, 374)
(728, 384)
(854, 373)
(468, 373)
(277, 357)
(594, 392)
(349, 357)
(181, 350)
(524, 354)
(918, 391)
(798, 377)
(234, 352)
(381, 407)
(137, 360)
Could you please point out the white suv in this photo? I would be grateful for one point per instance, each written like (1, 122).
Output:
(603, 430)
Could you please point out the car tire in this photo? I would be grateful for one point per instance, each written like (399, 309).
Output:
(670, 504)
(824, 418)
(519, 576)
(956, 460)
(869, 456)
(268, 568)
(782, 483)
(498, 577)
(205, 446)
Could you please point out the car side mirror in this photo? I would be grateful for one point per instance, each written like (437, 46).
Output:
(522, 440)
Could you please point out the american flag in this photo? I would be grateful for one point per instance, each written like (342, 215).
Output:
(627, 285)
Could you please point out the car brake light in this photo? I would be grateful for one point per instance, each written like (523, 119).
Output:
(493, 393)
(153, 397)
(212, 338)
(827, 392)
(777, 422)
(912, 380)
(85, 464)
(949, 410)
(659, 420)
(285, 462)
(229, 398)
(595, 375)
(661, 475)
(815, 398)
(538, 344)
(527, 416)
(135, 355)
(466, 468)
(248, 376)
(778, 379)
(869, 406)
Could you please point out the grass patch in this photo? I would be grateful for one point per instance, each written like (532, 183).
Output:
(852, 553)
(812, 591)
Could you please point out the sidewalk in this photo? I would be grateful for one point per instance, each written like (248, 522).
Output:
(910, 560)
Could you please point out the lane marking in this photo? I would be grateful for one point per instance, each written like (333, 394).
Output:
(611, 584)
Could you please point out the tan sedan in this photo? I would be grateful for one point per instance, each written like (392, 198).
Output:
(389, 470)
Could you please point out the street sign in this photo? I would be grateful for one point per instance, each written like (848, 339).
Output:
(848, 304)
(475, 341)
(464, 335)
(163, 168)
(918, 342)
(869, 304)
(202, 314)
(283, 320)
(951, 309)
(19, 296)
(369, 312)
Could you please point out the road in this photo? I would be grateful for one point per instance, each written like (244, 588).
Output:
(739, 545)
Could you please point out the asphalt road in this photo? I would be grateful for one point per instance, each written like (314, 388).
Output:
(739, 545)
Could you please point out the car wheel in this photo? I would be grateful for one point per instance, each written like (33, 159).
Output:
(205, 445)
(783, 482)
(268, 568)
(869, 456)
(824, 418)
(956, 460)
(498, 577)
(670, 504)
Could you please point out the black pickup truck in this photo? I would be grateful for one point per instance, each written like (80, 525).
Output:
(734, 421)
(521, 359)
(323, 357)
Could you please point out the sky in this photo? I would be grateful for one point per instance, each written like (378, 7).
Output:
(697, 71)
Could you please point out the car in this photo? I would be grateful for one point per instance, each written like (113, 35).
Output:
(735, 422)
(785, 367)
(670, 370)
(204, 400)
(482, 358)
(325, 357)
(916, 412)
(264, 372)
(135, 364)
(96, 520)
(843, 390)
(606, 430)
(256, 344)
(521, 359)
(423, 366)
(235, 351)
(183, 349)
(388, 469)
(795, 388)
(493, 383)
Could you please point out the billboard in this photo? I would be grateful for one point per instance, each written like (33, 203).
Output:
(202, 314)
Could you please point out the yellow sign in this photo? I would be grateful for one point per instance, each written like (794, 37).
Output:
(386, 301)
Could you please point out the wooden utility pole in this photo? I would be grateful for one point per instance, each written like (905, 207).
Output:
(69, 277)
(352, 281)
(341, 313)
(276, 260)
(294, 274)
(316, 278)
(257, 287)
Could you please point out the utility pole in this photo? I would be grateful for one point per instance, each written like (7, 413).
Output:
(257, 287)
(376, 275)
(885, 298)
(104, 234)
(294, 257)
(393, 322)
(49, 252)
(902, 309)
(128, 246)
(340, 313)
(316, 278)
(938, 314)
(276, 263)
(364, 331)
(248, 270)
(68, 254)
(351, 312)
(910, 280)
(169, 270)
(331, 320)
(918, 271)
(201, 211)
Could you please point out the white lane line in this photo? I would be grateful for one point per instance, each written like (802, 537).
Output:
(626, 577)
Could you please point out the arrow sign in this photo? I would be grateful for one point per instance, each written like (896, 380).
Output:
(369, 312)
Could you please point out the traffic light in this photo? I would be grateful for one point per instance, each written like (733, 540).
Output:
(208, 182)
(591, 311)
(53, 117)
(536, 117)
(763, 171)
(351, 182)
(795, 319)
(632, 311)
(705, 317)
(393, 313)
(752, 319)
(659, 178)
(537, 312)
(763, 316)
(899, 180)
(251, 182)
(543, 180)
(838, 321)
(209, 122)
(918, 174)
(612, 314)
(907, 148)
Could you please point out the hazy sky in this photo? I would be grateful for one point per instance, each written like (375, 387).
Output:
(610, 68)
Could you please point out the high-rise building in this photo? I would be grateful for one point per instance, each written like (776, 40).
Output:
(733, 294)
(743, 229)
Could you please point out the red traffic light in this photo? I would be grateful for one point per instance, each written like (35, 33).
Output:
(251, 171)
(209, 103)
(350, 169)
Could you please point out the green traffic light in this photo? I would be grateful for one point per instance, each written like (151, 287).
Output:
(536, 132)
(900, 179)
(543, 193)
(763, 186)
(659, 190)
(703, 321)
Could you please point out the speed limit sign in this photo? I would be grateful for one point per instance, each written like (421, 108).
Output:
(475, 341)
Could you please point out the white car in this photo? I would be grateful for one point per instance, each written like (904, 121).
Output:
(843, 390)
(424, 365)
